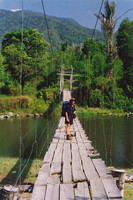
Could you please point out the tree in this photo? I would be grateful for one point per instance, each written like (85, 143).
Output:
(77, 48)
(99, 64)
(90, 48)
(25, 55)
(108, 24)
(2, 71)
(125, 52)
(64, 46)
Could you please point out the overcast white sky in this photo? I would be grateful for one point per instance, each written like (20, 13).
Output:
(80, 10)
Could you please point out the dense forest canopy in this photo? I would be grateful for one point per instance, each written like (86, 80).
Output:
(125, 52)
(28, 52)
(106, 76)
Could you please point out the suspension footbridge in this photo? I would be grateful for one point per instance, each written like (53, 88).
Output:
(71, 171)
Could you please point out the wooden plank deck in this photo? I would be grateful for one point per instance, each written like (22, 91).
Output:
(70, 173)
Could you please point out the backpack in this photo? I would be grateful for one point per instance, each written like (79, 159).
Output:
(64, 106)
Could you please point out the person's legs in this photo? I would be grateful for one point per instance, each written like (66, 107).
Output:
(68, 126)
(68, 136)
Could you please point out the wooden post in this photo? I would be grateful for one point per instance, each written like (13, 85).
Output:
(61, 81)
(121, 174)
(71, 79)
(62, 74)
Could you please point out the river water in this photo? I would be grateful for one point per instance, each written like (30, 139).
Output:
(111, 136)
(26, 136)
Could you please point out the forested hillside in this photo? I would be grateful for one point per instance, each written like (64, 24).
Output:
(61, 29)
(29, 72)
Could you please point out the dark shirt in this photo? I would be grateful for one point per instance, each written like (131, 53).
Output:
(70, 111)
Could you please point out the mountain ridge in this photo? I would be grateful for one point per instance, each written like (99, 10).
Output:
(61, 29)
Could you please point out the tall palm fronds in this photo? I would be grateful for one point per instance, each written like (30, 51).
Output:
(77, 48)
(108, 23)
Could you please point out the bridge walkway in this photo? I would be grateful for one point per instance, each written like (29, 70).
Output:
(71, 170)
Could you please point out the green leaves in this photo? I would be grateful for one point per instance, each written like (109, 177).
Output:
(25, 55)
(99, 64)
(125, 51)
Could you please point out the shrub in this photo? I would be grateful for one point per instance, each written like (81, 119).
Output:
(20, 102)
(38, 105)
(96, 98)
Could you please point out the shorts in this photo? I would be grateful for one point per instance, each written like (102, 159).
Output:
(70, 120)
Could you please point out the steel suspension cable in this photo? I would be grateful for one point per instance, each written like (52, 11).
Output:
(21, 92)
(47, 27)
(97, 19)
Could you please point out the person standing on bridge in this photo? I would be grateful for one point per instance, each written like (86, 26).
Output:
(69, 116)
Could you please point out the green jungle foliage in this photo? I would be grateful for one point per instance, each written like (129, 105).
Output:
(24, 56)
(27, 67)
(61, 29)
(125, 52)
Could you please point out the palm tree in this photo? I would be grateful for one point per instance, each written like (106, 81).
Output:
(77, 48)
(108, 24)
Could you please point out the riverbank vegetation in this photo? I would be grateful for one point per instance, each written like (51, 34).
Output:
(85, 110)
(29, 79)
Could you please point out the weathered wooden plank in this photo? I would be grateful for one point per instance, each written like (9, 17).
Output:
(83, 154)
(97, 189)
(66, 168)
(45, 168)
(57, 135)
(81, 146)
(78, 137)
(63, 128)
(88, 145)
(67, 156)
(38, 193)
(55, 139)
(111, 189)
(48, 156)
(66, 172)
(52, 146)
(77, 170)
(61, 122)
(74, 146)
(79, 124)
(62, 137)
(58, 153)
(75, 127)
(66, 192)
(83, 136)
(58, 131)
(52, 192)
(66, 147)
(53, 179)
(88, 166)
(73, 139)
(82, 191)
(42, 179)
(67, 141)
(55, 168)
(43, 175)
(101, 168)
